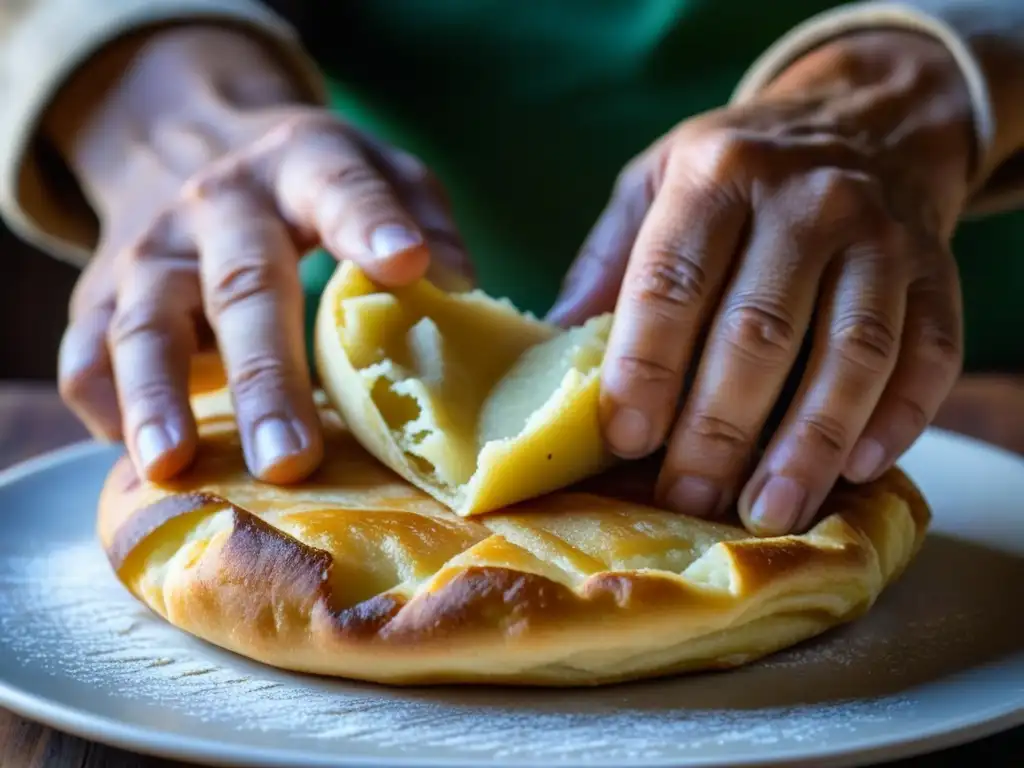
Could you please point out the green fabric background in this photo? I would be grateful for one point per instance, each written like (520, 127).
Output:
(528, 110)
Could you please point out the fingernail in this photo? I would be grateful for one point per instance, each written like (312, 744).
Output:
(778, 506)
(629, 433)
(694, 496)
(153, 441)
(561, 314)
(391, 239)
(566, 309)
(574, 293)
(865, 461)
(274, 441)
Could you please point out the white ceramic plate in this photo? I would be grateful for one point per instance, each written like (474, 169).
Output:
(939, 661)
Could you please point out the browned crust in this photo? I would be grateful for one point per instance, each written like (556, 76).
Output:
(151, 517)
(264, 593)
(259, 554)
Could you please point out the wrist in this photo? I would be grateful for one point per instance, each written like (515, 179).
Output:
(177, 98)
(905, 94)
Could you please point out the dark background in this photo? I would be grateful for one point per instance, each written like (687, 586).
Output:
(34, 293)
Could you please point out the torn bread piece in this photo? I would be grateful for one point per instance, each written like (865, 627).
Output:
(475, 403)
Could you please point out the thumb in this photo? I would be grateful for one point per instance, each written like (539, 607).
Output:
(450, 277)
(327, 185)
(592, 284)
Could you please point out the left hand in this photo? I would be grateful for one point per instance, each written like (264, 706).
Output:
(824, 210)
(987, 407)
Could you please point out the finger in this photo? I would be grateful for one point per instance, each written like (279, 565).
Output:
(253, 300)
(592, 283)
(678, 264)
(326, 184)
(987, 406)
(85, 375)
(927, 370)
(151, 341)
(752, 344)
(856, 341)
(423, 196)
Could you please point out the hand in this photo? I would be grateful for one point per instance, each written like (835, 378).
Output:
(987, 407)
(823, 210)
(204, 220)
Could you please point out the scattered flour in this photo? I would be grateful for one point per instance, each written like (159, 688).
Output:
(66, 613)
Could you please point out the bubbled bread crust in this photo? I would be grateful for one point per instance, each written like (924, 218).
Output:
(356, 573)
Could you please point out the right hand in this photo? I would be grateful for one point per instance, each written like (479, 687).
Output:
(201, 238)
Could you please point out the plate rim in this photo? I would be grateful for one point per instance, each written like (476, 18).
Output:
(145, 740)
(202, 751)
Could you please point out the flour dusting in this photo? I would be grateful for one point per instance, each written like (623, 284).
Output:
(66, 613)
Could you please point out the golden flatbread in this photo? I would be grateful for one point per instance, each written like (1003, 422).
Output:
(366, 573)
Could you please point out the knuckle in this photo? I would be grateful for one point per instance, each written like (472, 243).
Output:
(145, 249)
(225, 174)
(730, 152)
(416, 173)
(76, 388)
(761, 330)
(727, 155)
(833, 197)
(159, 240)
(200, 187)
(297, 127)
(93, 296)
(947, 351)
(259, 375)
(82, 359)
(286, 131)
(941, 344)
(352, 188)
(844, 197)
(670, 282)
(914, 416)
(824, 435)
(636, 368)
(352, 174)
(97, 283)
(838, 187)
(148, 396)
(937, 332)
(245, 278)
(893, 236)
(866, 339)
(632, 178)
(136, 321)
(718, 431)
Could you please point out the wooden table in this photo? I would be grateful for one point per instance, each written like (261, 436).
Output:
(32, 420)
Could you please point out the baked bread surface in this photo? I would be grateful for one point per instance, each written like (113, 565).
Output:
(358, 573)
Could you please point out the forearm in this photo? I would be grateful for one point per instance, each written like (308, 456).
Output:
(993, 32)
(989, 407)
(987, 39)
